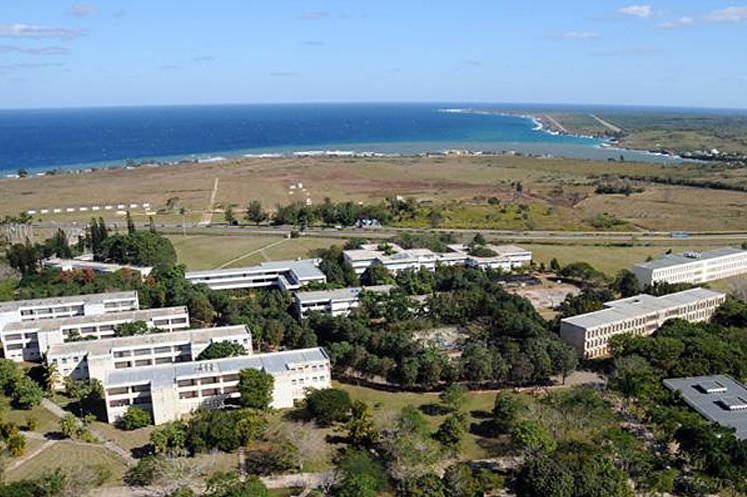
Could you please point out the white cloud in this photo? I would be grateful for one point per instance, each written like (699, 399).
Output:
(35, 51)
(729, 14)
(576, 35)
(679, 23)
(642, 11)
(31, 31)
(82, 10)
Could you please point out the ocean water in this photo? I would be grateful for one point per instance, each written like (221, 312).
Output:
(42, 140)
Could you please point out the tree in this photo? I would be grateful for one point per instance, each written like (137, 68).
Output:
(508, 409)
(362, 431)
(376, 274)
(133, 418)
(626, 283)
(222, 484)
(69, 426)
(453, 397)
(255, 213)
(329, 405)
(131, 328)
(256, 388)
(50, 376)
(229, 216)
(451, 432)
(531, 437)
(27, 393)
(358, 485)
(427, 485)
(170, 439)
(219, 350)
(460, 482)
(147, 470)
(130, 224)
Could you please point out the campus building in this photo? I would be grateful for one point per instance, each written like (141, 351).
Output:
(23, 311)
(693, 267)
(35, 337)
(287, 275)
(396, 259)
(82, 264)
(335, 302)
(170, 391)
(640, 315)
(719, 398)
(95, 358)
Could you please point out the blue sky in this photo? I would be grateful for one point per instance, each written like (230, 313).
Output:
(144, 52)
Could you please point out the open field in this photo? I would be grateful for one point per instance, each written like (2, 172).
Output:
(48, 422)
(559, 193)
(70, 455)
(386, 405)
(213, 251)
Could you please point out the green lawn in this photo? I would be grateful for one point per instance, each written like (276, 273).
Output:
(127, 439)
(48, 422)
(70, 455)
(386, 405)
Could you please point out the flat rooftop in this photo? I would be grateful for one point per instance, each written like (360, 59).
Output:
(679, 259)
(303, 269)
(93, 298)
(640, 305)
(54, 324)
(167, 374)
(719, 398)
(107, 345)
(340, 294)
(100, 266)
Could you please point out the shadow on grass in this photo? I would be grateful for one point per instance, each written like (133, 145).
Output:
(480, 414)
(434, 409)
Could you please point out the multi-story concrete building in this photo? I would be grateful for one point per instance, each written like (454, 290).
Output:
(589, 333)
(287, 275)
(693, 267)
(95, 358)
(97, 267)
(23, 311)
(170, 391)
(36, 336)
(335, 302)
(396, 259)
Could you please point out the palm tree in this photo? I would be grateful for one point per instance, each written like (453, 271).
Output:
(50, 375)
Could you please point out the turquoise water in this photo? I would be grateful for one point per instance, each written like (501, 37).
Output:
(41, 140)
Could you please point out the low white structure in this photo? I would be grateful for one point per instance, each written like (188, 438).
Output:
(335, 302)
(589, 333)
(96, 267)
(37, 336)
(94, 359)
(287, 275)
(22, 311)
(693, 267)
(170, 391)
(396, 259)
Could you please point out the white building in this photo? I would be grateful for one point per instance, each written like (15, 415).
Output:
(287, 275)
(396, 259)
(693, 267)
(23, 311)
(335, 302)
(506, 258)
(170, 391)
(95, 358)
(640, 315)
(35, 337)
(96, 267)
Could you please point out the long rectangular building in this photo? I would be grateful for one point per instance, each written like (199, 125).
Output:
(692, 267)
(396, 259)
(589, 333)
(35, 337)
(23, 311)
(91, 265)
(335, 302)
(95, 358)
(287, 275)
(171, 391)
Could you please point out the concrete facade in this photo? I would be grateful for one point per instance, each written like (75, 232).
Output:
(38, 336)
(287, 275)
(335, 302)
(693, 267)
(95, 358)
(20, 348)
(171, 391)
(589, 333)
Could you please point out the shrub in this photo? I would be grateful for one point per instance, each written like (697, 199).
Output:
(329, 406)
(133, 419)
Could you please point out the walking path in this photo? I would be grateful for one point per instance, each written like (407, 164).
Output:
(108, 444)
(606, 124)
(207, 214)
(249, 254)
